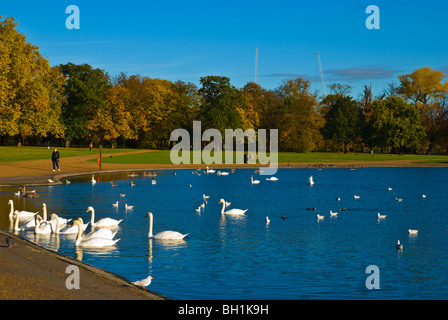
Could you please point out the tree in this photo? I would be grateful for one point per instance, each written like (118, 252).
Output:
(85, 90)
(395, 123)
(219, 103)
(30, 90)
(301, 124)
(342, 115)
(425, 89)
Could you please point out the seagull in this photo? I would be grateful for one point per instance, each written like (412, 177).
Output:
(205, 197)
(389, 188)
(122, 195)
(128, 207)
(67, 182)
(115, 204)
(50, 180)
(310, 180)
(356, 197)
(143, 283)
(423, 196)
(319, 217)
(399, 246)
(399, 199)
(267, 220)
(17, 193)
(412, 232)
(333, 214)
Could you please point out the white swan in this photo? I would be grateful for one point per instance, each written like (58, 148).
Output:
(412, 232)
(268, 221)
(93, 179)
(93, 242)
(164, 235)
(43, 227)
(254, 181)
(381, 216)
(71, 229)
(128, 207)
(333, 214)
(310, 180)
(115, 204)
(272, 179)
(102, 223)
(27, 225)
(62, 221)
(210, 170)
(24, 215)
(100, 233)
(231, 211)
(224, 173)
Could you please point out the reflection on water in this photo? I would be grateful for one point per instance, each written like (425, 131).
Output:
(243, 257)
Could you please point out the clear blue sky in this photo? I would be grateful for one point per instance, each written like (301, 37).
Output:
(185, 40)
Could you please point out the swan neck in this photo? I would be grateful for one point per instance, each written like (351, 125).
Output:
(223, 206)
(16, 222)
(150, 226)
(92, 218)
(11, 212)
(78, 236)
(44, 209)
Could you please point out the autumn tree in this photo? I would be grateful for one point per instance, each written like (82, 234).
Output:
(31, 91)
(301, 124)
(425, 88)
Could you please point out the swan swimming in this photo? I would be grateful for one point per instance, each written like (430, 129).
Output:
(381, 216)
(93, 242)
(102, 223)
(210, 170)
(254, 181)
(231, 211)
(93, 179)
(272, 179)
(163, 235)
(310, 180)
(71, 229)
(24, 215)
(43, 227)
(27, 225)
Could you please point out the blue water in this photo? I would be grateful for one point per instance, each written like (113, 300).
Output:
(244, 258)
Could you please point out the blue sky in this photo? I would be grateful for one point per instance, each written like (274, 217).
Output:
(185, 40)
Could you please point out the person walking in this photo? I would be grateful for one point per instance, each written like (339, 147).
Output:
(55, 159)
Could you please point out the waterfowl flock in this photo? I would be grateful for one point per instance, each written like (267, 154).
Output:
(103, 231)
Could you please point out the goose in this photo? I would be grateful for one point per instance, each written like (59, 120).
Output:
(381, 216)
(356, 197)
(231, 211)
(115, 204)
(128, 207)
(319, 217)
(399, 246)
(72, 229)
(310, 180)
(210, 170)
(272, 179)
(102, 223)
(333, 214)
(254, 181)
(412, 232)
(93, 242)
(144, 282)
(26, 226)
(164, 235)
(24, 215)
(93, 179)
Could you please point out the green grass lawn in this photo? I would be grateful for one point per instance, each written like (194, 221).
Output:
(11, 154)
(163, 157)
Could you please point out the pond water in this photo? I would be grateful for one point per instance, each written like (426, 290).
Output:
(299, 257)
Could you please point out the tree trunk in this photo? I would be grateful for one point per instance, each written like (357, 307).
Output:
(67, 143)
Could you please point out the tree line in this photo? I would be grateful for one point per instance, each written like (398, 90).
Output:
(71, 104)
